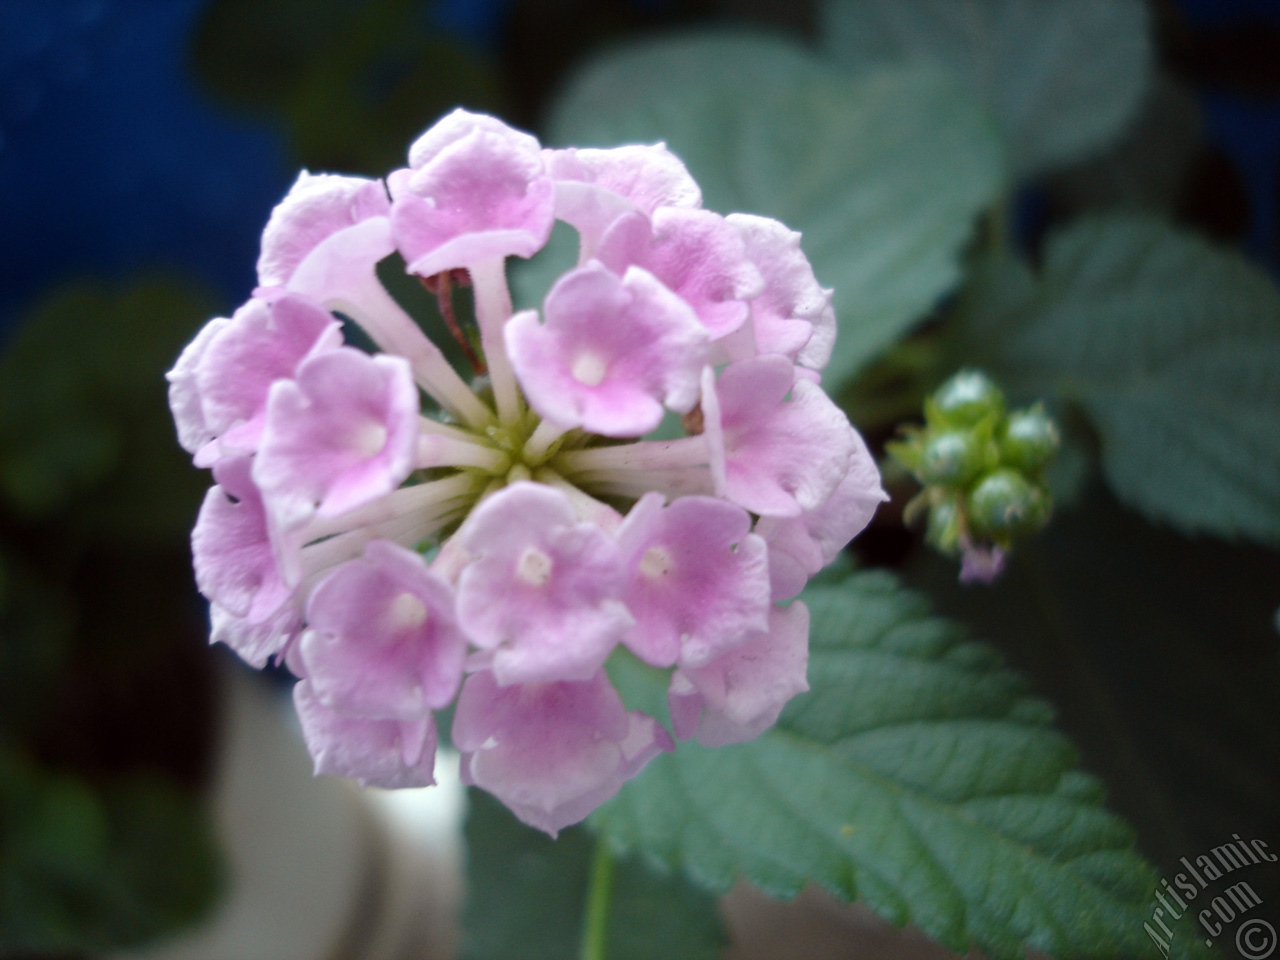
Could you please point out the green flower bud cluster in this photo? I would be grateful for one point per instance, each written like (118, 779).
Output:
(982, 466)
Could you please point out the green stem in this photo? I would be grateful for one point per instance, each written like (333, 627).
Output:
(595, 925)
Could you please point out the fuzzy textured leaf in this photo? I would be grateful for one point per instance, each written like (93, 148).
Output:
(1062, 78)
(1170, 345)
(916, 776)
(883, 175)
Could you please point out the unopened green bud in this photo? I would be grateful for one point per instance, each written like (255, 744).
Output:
(1005, 504)
(966, 399)
(943, 529)
(907, 452)
(1029, 440)
(951, 457)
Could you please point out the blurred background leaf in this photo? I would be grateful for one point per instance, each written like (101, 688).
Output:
(1062, 79)
(1170, 346)
(106, 693)
(85, 436)
(353, 83)
(883, 175)
(89, 869)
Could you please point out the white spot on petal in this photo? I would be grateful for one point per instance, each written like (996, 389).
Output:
(589, 369)
(656, 563)
(534, 568)
(371, 438)
(408, 612)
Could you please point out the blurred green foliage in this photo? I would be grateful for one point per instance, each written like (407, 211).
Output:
(352, 83)
(85, 439)
(105, 717)
(1167, 344)
(1060, 79)
(883, 174)
(90, 868)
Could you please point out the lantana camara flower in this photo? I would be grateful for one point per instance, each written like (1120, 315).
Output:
(404, 537)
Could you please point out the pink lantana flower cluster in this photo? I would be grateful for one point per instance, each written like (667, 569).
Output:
(403, 537)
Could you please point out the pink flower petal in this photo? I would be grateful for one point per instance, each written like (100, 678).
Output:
(773, 455)
(234, 562)
(793, 314)
(801, 546)
(695, 253)
(595, 187)
(185, 400)
(263, 343)
(740, 695)
(315, 208)
(342, 434)
(648, 176)
(699, 582)
(379, 753)
(383, 640)
(590, 210)
(478, 190)
(611, 354)
(552, 752)
(461, 124)
(544, 590)
(255, 643)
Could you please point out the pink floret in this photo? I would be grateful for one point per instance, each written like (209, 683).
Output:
(780, 445)
(552, 752)
(379, 753)
(340, 435)
(316, 207)
(740, 695)
(612, 353)
(383, 640)
(475, 190)
(544, 591)
(698, 579)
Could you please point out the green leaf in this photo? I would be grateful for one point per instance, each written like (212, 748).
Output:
(532, 279)
(1169, 344)
(916, 776)
(1062, 78)
(526, 893)
(85, 432)
(883, 175)
(353, 84)
(166, 868)
(1148, 166)
(83, 869)
(1160, 651)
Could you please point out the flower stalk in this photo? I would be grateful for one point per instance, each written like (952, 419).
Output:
(595, 922)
